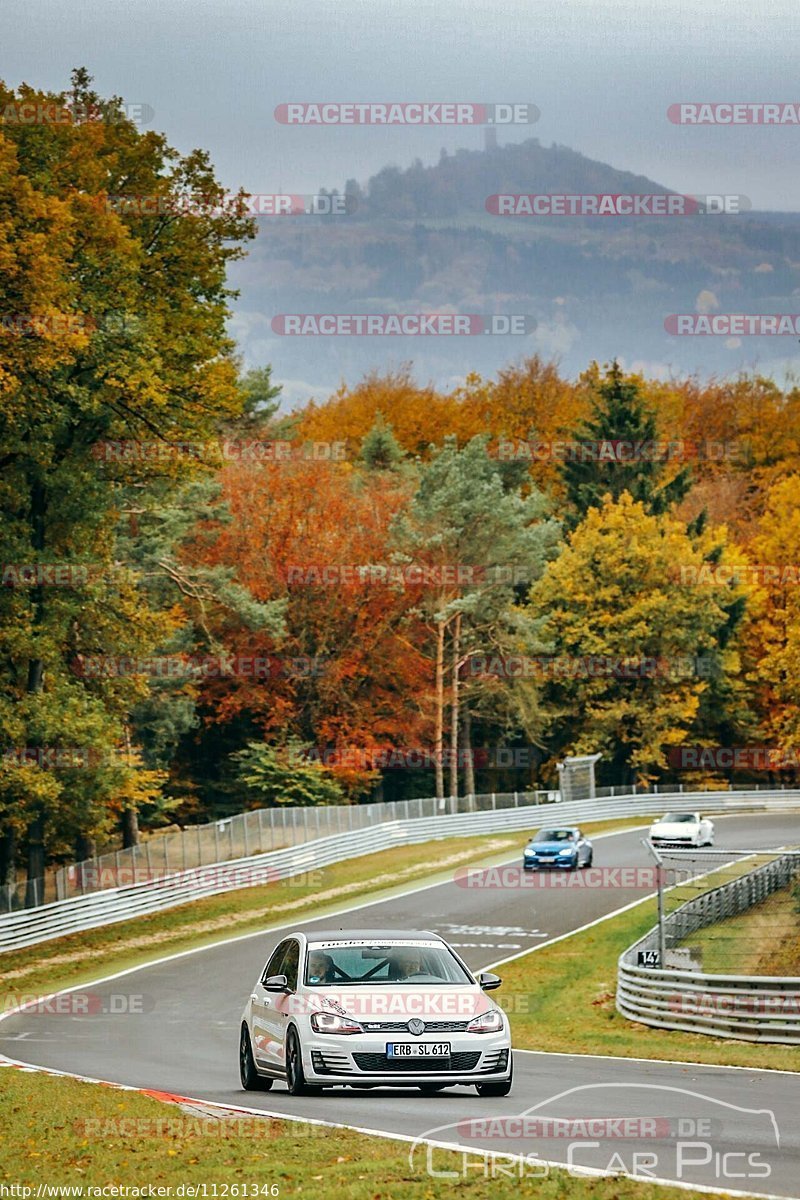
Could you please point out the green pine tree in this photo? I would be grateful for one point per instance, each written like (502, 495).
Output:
(380, 449)
(619, 416)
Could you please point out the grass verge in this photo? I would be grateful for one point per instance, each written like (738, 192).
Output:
(583, 967)
(61, 1132)
(81, 957)
(764, 940)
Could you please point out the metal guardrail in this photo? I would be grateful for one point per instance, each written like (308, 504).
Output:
(261, 830)
(753, 1008)
(240, 836)
(30, 926)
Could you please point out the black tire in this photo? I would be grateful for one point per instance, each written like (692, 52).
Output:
(589, 861)
(497, 1089)
(251, 1080)
(430, 1089)
(295, 1077)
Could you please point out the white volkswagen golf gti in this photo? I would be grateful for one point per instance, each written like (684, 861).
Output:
(366, 1009)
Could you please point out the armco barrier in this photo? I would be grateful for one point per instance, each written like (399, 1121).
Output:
(752, 1008)
(243, 835)
(30, 926)
(262, 831)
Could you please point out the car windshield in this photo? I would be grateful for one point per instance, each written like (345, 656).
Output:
(680, 818)
(555, 835)
(365, 964)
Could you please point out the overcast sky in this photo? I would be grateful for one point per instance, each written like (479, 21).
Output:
(602, 72)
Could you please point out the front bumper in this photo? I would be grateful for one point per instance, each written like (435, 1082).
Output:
(474, 1058)
(535, 864)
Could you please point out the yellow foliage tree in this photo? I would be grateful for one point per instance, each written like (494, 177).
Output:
(634, 631)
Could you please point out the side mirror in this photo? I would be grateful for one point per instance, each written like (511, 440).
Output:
(276, 983)
(488, 982)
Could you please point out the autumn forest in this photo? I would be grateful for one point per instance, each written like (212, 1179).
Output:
(211, 603)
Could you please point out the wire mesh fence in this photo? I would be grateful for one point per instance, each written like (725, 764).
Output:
(729, 912)
(258, 832)
(266, 829)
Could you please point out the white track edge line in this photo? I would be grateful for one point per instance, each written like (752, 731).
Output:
(455, 1147)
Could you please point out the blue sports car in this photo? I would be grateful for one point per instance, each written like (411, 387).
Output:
(565, 847)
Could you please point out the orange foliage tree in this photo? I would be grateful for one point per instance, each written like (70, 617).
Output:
(347, 679)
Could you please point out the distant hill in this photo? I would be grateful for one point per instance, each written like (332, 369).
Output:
(460, 183)
(421, 239)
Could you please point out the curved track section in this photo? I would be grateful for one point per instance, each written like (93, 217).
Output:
(739, 1128)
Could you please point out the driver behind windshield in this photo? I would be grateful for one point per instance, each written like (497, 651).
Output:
(320, 967)
(407, 963)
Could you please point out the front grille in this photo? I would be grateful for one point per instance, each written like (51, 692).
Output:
(402, 1026)
(378, 1063)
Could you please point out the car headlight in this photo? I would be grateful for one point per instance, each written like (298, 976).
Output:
(567, 853)
(325, 1022)
(488, 1022)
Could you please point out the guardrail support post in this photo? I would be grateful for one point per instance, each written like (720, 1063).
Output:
(662, 941)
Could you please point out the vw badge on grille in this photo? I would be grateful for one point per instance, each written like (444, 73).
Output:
(416, 1026)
